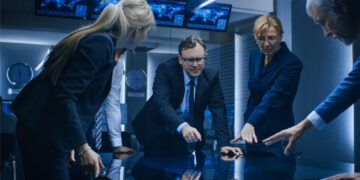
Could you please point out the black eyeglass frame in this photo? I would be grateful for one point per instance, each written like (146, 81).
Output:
(190, 61)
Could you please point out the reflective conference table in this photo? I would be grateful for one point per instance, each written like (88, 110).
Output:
(212, 165)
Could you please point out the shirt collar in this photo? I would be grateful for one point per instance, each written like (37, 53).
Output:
(187, 78)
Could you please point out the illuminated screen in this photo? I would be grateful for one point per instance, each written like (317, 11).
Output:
(67, 8)
(168, 13)
(96, 6)
(211, 17)
(6, 104)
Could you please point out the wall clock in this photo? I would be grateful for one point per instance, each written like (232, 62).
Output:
(19, 74)
(136, 79)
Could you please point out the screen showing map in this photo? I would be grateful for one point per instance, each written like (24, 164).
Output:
(168, 13)
(211, 17)
(65, 8)
(96, 6)
(174, 13)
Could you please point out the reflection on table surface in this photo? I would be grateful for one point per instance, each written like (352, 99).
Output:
(211, 165)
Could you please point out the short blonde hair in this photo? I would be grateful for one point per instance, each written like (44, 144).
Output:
(264, 22)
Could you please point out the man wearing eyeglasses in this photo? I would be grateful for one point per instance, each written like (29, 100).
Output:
(171, 122)
(339, 19)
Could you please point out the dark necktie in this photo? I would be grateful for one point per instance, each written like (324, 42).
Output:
(191, 115)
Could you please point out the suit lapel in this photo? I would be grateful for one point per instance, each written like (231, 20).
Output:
(267, 68)
(201, 86)
(277, 57)
(257, 67)
(180, 86)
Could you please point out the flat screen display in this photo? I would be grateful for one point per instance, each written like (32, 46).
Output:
(96, 6)
(65, 8)
(168, 13)
(214, 16)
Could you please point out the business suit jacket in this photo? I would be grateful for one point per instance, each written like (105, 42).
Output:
(159, 113)
(343, 96)
(62, 114)
(272, 91)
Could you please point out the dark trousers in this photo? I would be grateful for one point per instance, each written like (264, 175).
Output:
(167, 145)
(40, 159)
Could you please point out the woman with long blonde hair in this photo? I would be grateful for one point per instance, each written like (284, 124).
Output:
(75, 81)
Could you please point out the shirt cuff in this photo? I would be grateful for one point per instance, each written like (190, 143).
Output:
(316, 120)
(178, 129)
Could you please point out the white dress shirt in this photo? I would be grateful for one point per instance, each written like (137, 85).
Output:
(112, 109)
(182, 108)
(316, 120)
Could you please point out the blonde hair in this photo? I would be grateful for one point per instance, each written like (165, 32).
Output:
(116, 19)
(264, 22)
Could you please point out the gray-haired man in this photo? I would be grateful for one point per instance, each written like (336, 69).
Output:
(339, 19)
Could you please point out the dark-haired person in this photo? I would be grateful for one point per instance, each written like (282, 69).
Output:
(56, 108)
(171, 122)
(274, 74)
(339, 19)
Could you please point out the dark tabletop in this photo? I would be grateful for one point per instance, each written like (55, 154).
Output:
(212, 165)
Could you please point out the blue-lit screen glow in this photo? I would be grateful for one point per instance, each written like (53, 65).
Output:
(6, 104)
(168, 13)
(174, 13)
(213, 17)
(96, 6)
(67, 8)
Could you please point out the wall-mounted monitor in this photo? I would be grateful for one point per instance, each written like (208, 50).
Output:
(174, 13)
(65, 8)
(96, 6)
(214, 16)
(168, 12)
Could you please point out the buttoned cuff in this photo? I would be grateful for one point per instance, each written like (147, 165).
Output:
(178, 129)
(116, 141)
(316, 120)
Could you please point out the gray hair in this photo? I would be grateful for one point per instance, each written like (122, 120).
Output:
(324, 5)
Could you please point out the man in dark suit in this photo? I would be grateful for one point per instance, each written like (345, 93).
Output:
(171, 122)
(339, 19)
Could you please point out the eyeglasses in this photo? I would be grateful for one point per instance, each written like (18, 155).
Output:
(191, 61)
(271, 39)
